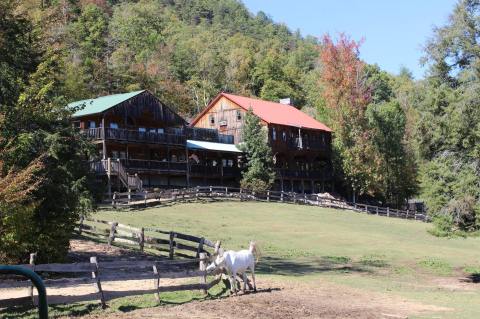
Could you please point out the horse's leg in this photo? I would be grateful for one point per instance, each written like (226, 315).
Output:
(245, 280)
(233, 283)
(253, 278)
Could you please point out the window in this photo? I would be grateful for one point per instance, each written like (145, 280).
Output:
(211, 119)
(92, 124)
(274, 134)
(142, 129)
(123, 155)
(222, 122)
(113, 125)
(114, 154)
(152, 130)
(239, 115)
(160, 131)
(284, 136)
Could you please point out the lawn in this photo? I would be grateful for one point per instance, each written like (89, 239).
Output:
(386, 255)
(315, 246)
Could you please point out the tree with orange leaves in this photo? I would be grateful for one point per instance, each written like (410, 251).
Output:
(346, 94)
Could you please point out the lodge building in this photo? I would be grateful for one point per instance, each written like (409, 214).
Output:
(143, 143)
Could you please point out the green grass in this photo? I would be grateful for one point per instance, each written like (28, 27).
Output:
(302, 243)
(386, 255)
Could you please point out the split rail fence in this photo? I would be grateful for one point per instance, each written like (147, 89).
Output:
(98, 272)
(145, 198)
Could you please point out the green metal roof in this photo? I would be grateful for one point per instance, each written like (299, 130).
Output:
(100, 104)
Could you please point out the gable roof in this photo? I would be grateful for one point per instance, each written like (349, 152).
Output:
(270, 112)
(100, 104)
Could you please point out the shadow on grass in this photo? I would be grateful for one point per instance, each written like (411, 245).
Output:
(70, 310)
(301, 267)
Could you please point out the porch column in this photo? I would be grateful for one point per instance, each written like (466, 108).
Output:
(104, 144)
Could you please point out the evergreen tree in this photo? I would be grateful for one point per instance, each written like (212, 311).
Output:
(259, 175)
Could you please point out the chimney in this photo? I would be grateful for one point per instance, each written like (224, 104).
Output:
(285, 101)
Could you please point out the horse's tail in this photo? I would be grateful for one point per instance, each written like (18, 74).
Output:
(254, 250)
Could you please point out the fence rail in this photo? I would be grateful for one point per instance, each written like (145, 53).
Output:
(145, 198)
(97, 272)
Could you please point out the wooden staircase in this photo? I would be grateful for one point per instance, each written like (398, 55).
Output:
(113, 167)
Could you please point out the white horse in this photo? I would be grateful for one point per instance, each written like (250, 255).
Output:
(235, 262)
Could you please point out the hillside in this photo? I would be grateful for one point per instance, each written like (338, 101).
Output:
(183, 51)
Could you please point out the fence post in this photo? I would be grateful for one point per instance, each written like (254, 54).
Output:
(200, 247)
(98, 285)
(281, 196)
(141, 239)
(145, 195)
(113, 230)
(80, 226)
(172, 245)
(30, 288)
(366, 208)
(377, 210)
(226, 190)
(388, 211)
(294, 198)
(203, 267)
(129, 195)
(304, 198)
(114, 197)
(268, 196)
(156, 283)
(241, 197)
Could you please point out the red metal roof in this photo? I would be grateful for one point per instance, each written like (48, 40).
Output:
(271, 112)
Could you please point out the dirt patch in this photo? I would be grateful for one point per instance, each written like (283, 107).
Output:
(82, 250)
(289, 300)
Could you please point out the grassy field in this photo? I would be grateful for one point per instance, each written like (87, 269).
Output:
(380, 254)
(389, 256)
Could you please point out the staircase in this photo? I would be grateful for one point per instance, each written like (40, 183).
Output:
(114, 167)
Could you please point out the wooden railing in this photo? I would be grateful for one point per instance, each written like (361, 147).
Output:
(134, 136)
(115, 167)
(97, 271)
(210, 135)
(191, 194)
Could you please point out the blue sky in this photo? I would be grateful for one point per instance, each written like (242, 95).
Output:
(394, 31)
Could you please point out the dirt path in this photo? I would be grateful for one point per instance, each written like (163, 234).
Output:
(289, 300)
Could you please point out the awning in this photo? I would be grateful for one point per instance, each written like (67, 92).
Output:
(211, 146)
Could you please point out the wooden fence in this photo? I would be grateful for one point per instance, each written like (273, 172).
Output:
(145, 199)
(97, 272)
(174, 243)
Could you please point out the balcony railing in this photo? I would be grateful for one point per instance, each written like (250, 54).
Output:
(209, 135)
(134, 136)
(306, 145)
(289, 173)
(154, 165)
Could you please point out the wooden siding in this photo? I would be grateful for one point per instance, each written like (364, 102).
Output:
(224, 111)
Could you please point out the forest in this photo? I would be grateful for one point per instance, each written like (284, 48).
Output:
(395, 137)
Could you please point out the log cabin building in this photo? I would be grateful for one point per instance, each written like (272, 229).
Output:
(142, 143)
(300, 144)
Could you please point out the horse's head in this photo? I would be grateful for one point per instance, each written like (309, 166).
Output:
(218, 261)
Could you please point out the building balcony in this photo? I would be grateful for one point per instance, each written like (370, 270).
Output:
(208, 135)
(135, 136)
(297, 173)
